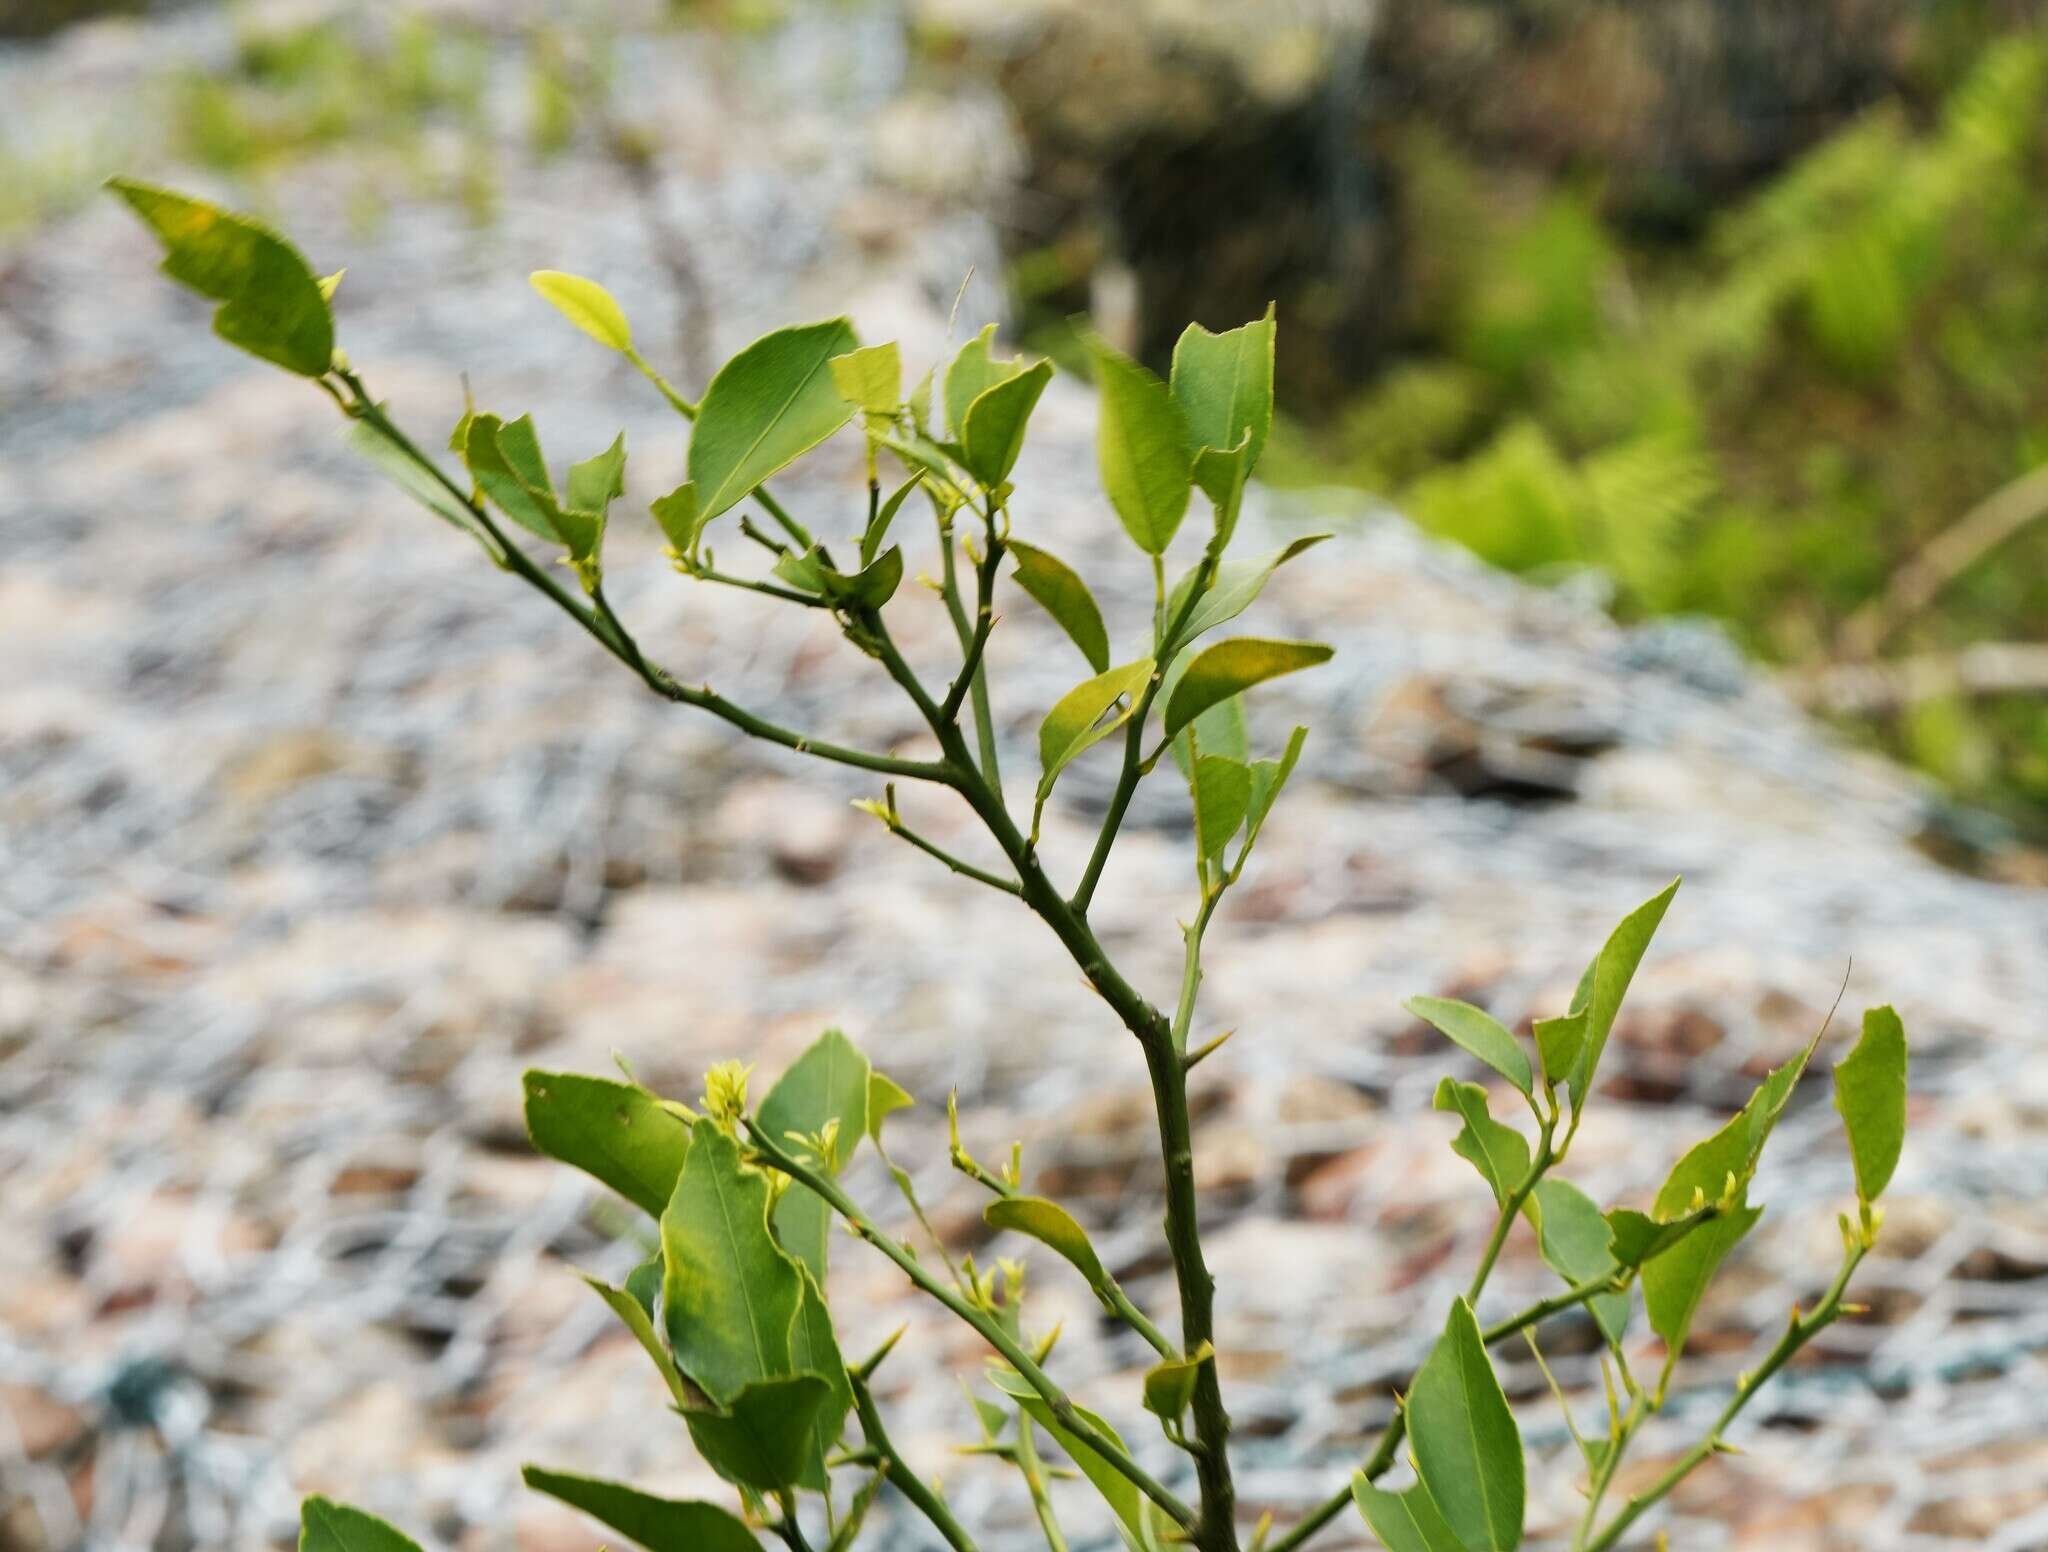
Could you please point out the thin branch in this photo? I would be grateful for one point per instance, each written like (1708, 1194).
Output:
(1986, 526)
(907, 1482)
(986, 1325)
(1798, 1332)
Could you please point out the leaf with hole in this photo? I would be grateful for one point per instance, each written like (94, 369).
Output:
(617, 1132)
(730, 1292)
(1081, 718)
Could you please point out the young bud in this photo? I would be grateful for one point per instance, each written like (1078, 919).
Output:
(725, 1094)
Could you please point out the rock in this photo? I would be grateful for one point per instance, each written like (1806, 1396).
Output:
(804, 833)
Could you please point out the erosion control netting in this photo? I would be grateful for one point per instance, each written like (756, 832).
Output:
(317, 831)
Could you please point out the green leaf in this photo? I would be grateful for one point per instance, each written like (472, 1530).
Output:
(764, 1438)
(1076, 721)
(1870, 1093)
(814, 1348)
(869, 588)
(658, 1524)
(409, 477)
(1170, 1384)
(1052, 1226)
(680, 518)
(994, 434)
(1224, 385)
(1220, 729)
(1221, 476)
(1558, 1044)
(730, 1292)
(1498, 1152)
(1478, 1032)
(1404, 1522)
(870, 379)
(885, 1097)
(326, 1526)
(871, 541)
(1636, 1238)
(972, 373)
(766, 408)
(1222, 789)
(1468, 1451)
(1231, 666)
(827, 1084)
(619, 1133)
(1269, 778)
(1713, 1172)
(1574, 1239)
(586, 304)
(1611, 974)
(593, 485)
(1138, 1520)
(636, 1319)
(1064, 596)
(1236, 584)
(504, 460)
(271, 302)
(1143, 448)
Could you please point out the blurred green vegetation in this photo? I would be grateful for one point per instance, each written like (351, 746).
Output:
(1761, 424)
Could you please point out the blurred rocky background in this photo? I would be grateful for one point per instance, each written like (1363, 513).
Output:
(1719, 323)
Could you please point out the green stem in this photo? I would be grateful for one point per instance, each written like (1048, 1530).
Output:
(1034, 1479)
(1798, 1332)
(987, 1326)
(907, 1482)
(984, 721)
(1191, 970)
(612, 637)
(964, 869)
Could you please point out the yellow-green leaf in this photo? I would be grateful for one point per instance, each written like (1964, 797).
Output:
(272, 304)
(973, 371)
(766, 408)
(1080, 717)
(586, 304)
(1221, 671)
(1143, 448)
(1224, 385)
(1222, 789)
(871, 378)
(1064, 596)
(996, 421)
(1052, 1226)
